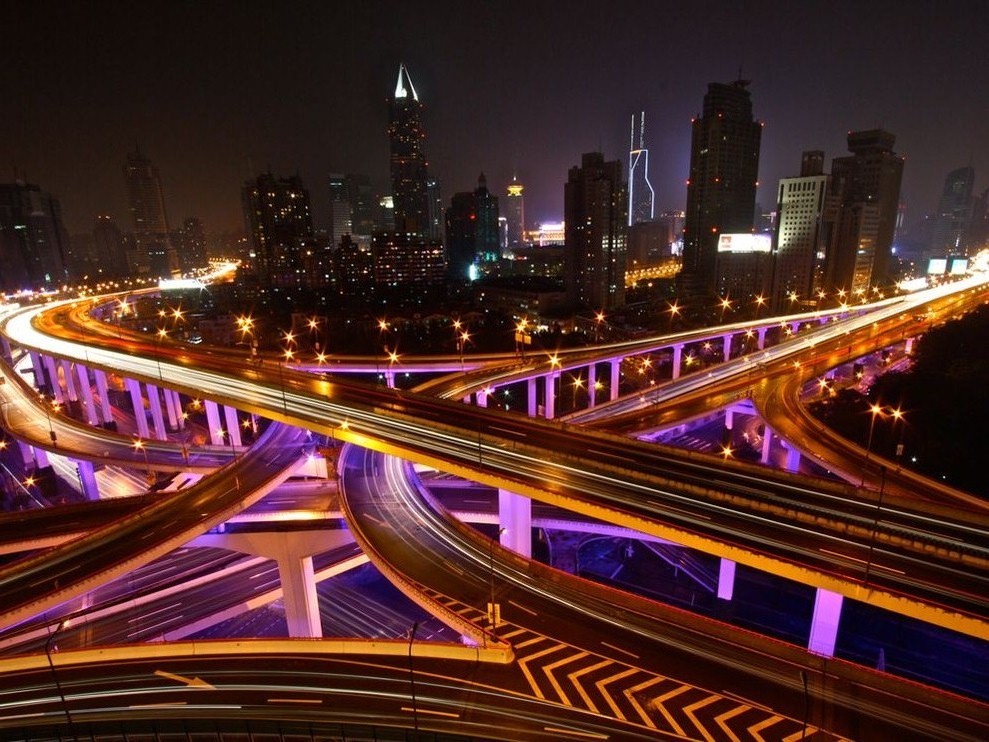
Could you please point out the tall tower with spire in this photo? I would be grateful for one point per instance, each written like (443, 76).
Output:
(641, 197)
(408, 161)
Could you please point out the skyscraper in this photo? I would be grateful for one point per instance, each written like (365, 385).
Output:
(641, 197)
(515, 214)
(408, 161)
(192, 245)
(278, 217)
(724, 174)
(595, 211)
(471, 230)
(154, 254)
(341, 209)
(867, 187)
(803, 229)
(954, 212)
(34, 246)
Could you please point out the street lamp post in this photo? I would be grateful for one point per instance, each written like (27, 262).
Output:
(49, 648)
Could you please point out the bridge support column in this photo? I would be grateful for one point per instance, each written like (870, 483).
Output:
(70, 383)
(677, 359)
(530, 392)
(908, 346)
(299, 596)
(86, 394)
(729, 418)
(515, 521)
(390, 379)
(213, 421)
(87, 478)
(761, 338)
(726, 343)
(481, 397)
(795, 327)
(38, 369)
(549, 398)
(6, 351)
(55, 384)
(171, 410)
(137, 402)
(177, 403)
(767, 444)
(615, 381)
(726, 579)
(233, 425)
(792, 459)
(106, 411)
(154, 400)
(592, 379)
(824, 623)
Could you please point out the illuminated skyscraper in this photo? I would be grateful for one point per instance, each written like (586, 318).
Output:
(278, 217)
(34, 247)
(408, 161)
(867, 185)
(641, 197)
(594, 209)
(155, 254)
(954, 212)
(724, 170)
(515, 215)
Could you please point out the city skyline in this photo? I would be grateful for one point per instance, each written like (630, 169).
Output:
(213, 100)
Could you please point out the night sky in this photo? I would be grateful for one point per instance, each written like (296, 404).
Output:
(213, 92)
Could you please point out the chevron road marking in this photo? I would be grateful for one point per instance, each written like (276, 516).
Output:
(530, 642)
(755, 729)
(524, 667)
(580, 688)
(560, 663)
(630, 694)
(722, 720)
(607, 696)
(689, 712)
(657, 703)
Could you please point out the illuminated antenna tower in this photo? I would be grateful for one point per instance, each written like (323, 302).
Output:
(641, 196)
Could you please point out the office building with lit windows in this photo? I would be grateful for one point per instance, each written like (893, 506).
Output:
(408, 160)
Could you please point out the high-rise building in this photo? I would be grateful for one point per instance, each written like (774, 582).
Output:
(109, 248)
(434, 198)
(408, 161)
(408, 268)
(354, 262)
(515, 215)
(641, 197)
(724, 174)
(154, 254)
(192, 245)
(804, 224)
(341, 209)
(34, 246)
(954, 213)
(595, 215)
(471, 230)
(279, 219)
(866, 184)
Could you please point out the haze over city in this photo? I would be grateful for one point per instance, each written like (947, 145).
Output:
(215, 92)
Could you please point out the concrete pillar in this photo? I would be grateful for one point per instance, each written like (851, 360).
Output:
(761, 338)
(908, 346)
(515, 522)
(39, 457)
(530, 391)
(824, 623)
(726, 341)
(592, 379)
(233, 425)
(87, 478)
(154, 402)
(677, 359)
(56, 386)
(299, 597)
(726, 578)
(481, 397)
(549, 398)
(616, 370)
(213, 421)
(390, 379)
(767, 444)
(729, 418)
(137, 402)
(106, 411)
(70, 382)
(5, 349)
(177, 402)
(171, 410)
(38, 368)
(86, 394)
(792, 459)
(795, 327)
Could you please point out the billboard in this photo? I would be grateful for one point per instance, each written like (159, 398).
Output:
(937, 266)
(958, 266)
(739, 243)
